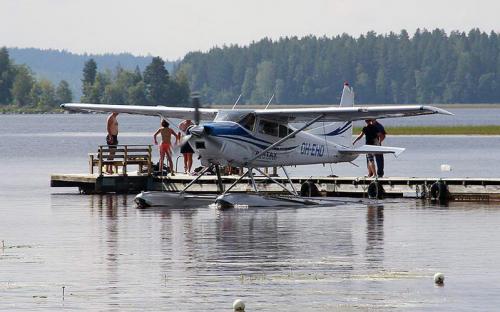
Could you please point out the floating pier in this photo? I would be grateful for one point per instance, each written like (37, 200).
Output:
(120, 157)
(455, 189)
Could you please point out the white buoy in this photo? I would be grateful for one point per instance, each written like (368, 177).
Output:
(439, 278)
(445, 167)
(238, 305)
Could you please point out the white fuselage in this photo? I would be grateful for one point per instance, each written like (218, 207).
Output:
(230, 143)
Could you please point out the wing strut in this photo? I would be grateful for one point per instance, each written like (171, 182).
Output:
(272, 97)
(235, 103)
(307, 124)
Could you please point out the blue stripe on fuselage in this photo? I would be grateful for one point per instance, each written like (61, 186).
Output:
(340, 129)
(228, 130)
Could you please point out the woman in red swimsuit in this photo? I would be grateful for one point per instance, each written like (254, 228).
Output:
(165, 146)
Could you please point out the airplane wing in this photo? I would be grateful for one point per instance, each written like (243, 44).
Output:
(349, 113)
(164, 111)
(289, 114)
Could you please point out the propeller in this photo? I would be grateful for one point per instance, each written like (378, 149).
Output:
(184, 140)
(196, 105)
(193, 129)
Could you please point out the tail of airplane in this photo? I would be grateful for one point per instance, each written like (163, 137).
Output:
(373, 149)
(338, 132)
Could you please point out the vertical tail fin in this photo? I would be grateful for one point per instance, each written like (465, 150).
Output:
(347, 98)
(338, 132)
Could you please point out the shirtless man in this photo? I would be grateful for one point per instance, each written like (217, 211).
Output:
(166, 144)
(112, 138)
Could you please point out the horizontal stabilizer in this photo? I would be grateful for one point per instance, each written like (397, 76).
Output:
(373, 149)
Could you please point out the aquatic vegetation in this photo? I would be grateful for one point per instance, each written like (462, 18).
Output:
(442, 130)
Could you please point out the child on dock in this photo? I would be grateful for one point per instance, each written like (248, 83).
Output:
(166, 144)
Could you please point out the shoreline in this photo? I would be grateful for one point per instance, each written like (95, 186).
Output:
(483, 130)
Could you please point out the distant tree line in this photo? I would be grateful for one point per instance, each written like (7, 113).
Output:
(154, 86)
(429, 67)
(20, 87)
(57, 65)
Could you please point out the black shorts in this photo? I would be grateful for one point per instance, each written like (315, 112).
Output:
(112, 139)
(369, 157)
(186, 148)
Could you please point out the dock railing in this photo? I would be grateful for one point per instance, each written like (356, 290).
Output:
(121, 156)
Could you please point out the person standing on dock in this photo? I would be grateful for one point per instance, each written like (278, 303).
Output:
(111, 138)
(379, 158)
(371, 133)
(186, 149)
(166, 145)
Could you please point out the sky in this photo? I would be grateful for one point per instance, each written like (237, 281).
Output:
(172, 28)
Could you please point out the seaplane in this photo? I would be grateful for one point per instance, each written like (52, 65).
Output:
(269, 137)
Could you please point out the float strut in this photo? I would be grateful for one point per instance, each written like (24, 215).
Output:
(236, 182)
(197, 178)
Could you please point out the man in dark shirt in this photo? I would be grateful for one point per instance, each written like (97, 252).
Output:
(379, 158)
(371, 138)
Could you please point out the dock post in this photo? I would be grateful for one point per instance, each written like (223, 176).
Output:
(124, 167)
(91, 163)
(100, 160)
(220, 186)
(150, 160)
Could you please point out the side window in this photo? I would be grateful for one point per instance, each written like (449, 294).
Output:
(268, 127)
(284, 131)
(248, 121)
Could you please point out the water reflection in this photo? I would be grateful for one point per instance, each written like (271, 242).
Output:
(107, 205)
(108, 210)
(201, 259)
(374, 251)
(251, 237)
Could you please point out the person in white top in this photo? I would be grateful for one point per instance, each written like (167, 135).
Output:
(186, 149)
(111, 138)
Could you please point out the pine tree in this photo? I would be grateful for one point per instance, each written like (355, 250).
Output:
(88, 81)
(156, 78)
(7, 76)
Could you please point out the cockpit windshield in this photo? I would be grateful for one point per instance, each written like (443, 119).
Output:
(231, 115)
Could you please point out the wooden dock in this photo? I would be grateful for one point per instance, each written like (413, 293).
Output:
(457, 189)
(121, 157)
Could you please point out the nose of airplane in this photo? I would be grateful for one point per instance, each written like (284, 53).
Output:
(197, 131)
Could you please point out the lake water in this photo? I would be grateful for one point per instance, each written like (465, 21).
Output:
(110, 256)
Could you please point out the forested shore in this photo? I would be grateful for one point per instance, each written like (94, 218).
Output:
(427, 67)
(21, 91)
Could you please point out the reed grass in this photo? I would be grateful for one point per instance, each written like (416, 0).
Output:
(440, 130)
